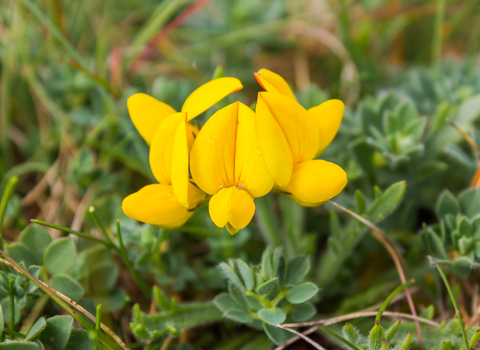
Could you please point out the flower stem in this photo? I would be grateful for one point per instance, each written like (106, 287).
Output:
(140, 282)
(12, 182)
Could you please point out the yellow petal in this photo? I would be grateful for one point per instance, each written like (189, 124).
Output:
(212, 157)
(287, 134)
(147, 113)
(162, 147)
(328, 117)
(231, 207)
(315, 181)
(208, 94)
(180, 175)
(273, 82)
(156, 205)
(251, 172)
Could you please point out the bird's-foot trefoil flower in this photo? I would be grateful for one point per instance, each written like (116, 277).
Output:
(170, 203)
(290, 137)
(226, 162)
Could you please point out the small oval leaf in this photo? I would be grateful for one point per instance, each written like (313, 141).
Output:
(301, 293)
(272, 316)
(60, 255)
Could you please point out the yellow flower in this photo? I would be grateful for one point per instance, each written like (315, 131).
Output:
(226, 162)
(290, 137)
(170, 203)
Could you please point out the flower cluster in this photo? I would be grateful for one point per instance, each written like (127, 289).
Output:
(238, 155)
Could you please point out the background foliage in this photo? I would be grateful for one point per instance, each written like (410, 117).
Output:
(402, 67)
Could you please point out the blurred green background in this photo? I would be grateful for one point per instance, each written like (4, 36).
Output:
(401, 66)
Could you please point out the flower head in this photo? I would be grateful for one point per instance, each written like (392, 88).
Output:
(226, 162)
(290, 137)
(170, 203)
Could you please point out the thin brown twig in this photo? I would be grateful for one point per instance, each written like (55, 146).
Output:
(475, 183)
(396, 257)
(329, 321)
(304, 337)
(333, 320)
(12, 264)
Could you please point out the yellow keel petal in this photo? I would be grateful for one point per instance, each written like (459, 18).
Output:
(160, 156)
(251, 172)
(208, 94)
(328, 117)
(212, 157)
(156, 205)
(233, 208)
(147, 113)
(273, 82)
(315, 182)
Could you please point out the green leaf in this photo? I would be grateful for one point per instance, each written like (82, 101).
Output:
(60, 255)
(57, 332)
(301, 293)
(162, 300)
(239, 316)
(261, 342)
(297, 269)
(1, 320)
(375, 337)
(238, 296)
(447, 204)
(277, 335)
(268, 288)
(405, 344)
(267, 264)
(350, 333)
(470, 202)
(79, 340)
(19, 345)
(36, 239)
(428, 313)
(225, 302)
(387, 202)
(277, 260)
(103, 278)
(272, 316)
(36, 329)
(390, 333)
(232, 277)
(246, 274)
(303, 312)
(19, 253)
(68, 286)
(361, 203)
(6, 310)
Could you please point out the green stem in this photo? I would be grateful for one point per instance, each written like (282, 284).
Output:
(278, 298)
(140, 282)
(11, 283)
(390, 298)
(267, 220)
(266, 303)
(98, 318)
(340, 338)
(437, 40)
(455, 305)
(12, 182)
(79, 234)
(14, 333)
(91, 210)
